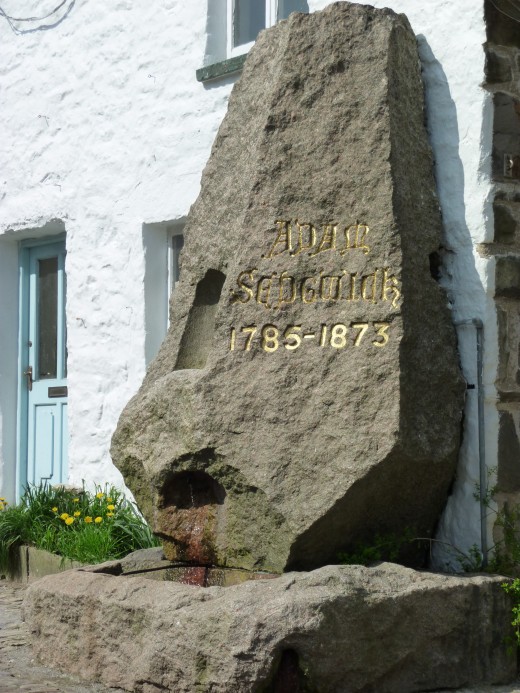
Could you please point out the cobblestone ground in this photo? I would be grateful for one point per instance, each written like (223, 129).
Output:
(20, 673)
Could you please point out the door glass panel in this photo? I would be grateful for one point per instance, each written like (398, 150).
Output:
(47, 317)
(248, 20)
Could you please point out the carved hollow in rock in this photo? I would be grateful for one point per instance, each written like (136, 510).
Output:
(288, 677)
(198, 333)
(187, 517)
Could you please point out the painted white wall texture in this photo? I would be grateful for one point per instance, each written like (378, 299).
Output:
(105, 128)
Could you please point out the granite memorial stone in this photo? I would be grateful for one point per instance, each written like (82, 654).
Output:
(307, 395)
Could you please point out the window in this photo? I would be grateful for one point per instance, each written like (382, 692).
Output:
(162, 245)
(246, 18)
(175, 245)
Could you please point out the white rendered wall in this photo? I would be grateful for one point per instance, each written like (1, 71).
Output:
(106, 128)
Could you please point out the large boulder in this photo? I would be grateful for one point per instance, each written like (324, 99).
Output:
(339, 629)
(307, 395)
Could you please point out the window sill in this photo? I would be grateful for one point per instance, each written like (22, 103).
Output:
(221, 69)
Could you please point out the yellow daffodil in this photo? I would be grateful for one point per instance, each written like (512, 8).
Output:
(88, 519)
(111, 507)
(64, 516)
(77, 513)
(69, 520)
(75, 500)
(109, 500)
(110, 514)
(100, 495)
(55, 509)
(2, 499)
(98, 520)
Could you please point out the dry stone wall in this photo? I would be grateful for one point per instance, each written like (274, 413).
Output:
(503, 81)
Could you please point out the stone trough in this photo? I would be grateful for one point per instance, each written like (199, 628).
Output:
(338, 629)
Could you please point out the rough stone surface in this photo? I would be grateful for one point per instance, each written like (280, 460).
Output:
(293, 408)
(20, 672)
(341, 628)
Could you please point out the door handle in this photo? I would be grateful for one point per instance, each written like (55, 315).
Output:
(28, 374)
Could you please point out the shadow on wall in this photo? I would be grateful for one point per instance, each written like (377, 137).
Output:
(467, 299)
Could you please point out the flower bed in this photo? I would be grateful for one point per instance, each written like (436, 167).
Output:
(83, 526)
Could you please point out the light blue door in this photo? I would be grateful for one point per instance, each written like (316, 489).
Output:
(43, 362)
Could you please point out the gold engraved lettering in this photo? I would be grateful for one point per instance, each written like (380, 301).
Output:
(355, 236)
(328, 240)
(263, 289)
(308, 292)
(362, 327)
(286, 278)
(250, 331)
(283, 238)
(353, 287)
(323, 335)
(270, 335)
(237, 297)
(291, 333)
(338, 336)
(365, 283)
(300, 246)
(361, 233)
(381, 328)
(294, 336)
(390, 288)
(330, 288)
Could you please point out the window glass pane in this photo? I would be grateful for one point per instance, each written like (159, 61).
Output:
(47, 317)
(285, 7)
(177, 244)
(248, 20)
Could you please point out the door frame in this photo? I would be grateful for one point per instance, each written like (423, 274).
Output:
(22, 414)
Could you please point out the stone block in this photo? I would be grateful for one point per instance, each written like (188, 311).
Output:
(498, 67)
(339, 629)
(500, 29)
(509, 453)
(507, 221)
(41, 563)
(508, 381)
(507, 277)
(293, 409)
(29, 564)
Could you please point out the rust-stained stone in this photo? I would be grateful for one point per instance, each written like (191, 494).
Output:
(307, 395)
